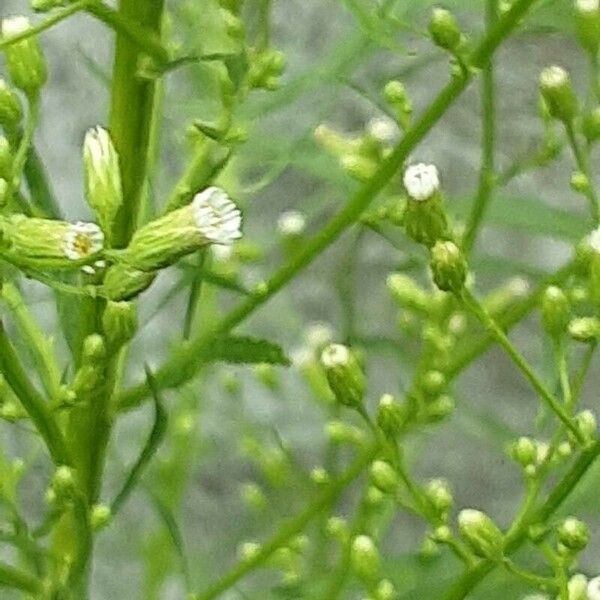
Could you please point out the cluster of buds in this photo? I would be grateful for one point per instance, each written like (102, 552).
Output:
(531, 454)
(266, 68)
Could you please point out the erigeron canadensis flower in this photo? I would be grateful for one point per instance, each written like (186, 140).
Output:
(291, 223)
(82, 240)
(344, 375)
(383, 129)
(587, 16)
(218, 219)
(421, 181)
(558, 93)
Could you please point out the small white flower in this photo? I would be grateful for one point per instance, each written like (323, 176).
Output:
(421, 181)
(554, 77)
(218, 219)
(82, 240)
(593, 589)
(12, 26)
(587, 5)
(291, 222)
(335, 355)
(519, 286)
(382, 129)
(469, 517)
(318, 335)
(594, 240)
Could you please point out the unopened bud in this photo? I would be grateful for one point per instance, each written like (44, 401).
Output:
(591, 124)
(524, 451)
(408, 293)
(11, 112)
(63, 481)
(444, 29)
(573, 534)
(345, 377)
(124, 282)
(337, 527)
(342, 433)
(365, 559)
(433, 382)
(481, 534)
(439, 494)
(555, 311)
(585, 329)
(24, 60)
(391, 416)
(119, 322)
(100, 516)
(587, 16)
(448, 266)
(439, 408)
(94, 349)
(580, 183)
(253, 496)
(384, 477)
(397, 97)
(558, 93)
(385, 590)
(587, 425)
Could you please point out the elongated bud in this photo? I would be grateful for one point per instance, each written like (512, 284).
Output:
(524, 451)
(397, 97)
(444, 29)
(558, 93)
(31, 241)
(439, 494)
(364, 558)
(337, 527)
(573, 534)
(448, 267)
(211, 218)
(555, 311)
(591, 124)
(384, 477)
(11, 112)
(391, 416)
(481, 534)
(385, 590)
(24, 59)
(94, 349)
(100, 516)
(439, 408)
(343, 433)
(587, 16)
(124, 282)
(585, 329)
(119, 322)
(345, 377)
(102, 176)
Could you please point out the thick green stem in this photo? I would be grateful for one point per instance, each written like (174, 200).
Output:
(184, 362)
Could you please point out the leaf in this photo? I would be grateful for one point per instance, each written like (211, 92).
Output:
(247, 350)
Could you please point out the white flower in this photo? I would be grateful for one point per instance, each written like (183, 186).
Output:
(318, 334)
(593, 589)
(82, 240)
(382, 129)
(218, 219)
(554, 77)
(587, 5)
(12, 26)
(291, 223)
(335, 355)
(594, 240)
(519, 286)
(421, 181)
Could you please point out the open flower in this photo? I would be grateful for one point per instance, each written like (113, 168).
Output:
(421, 181)
(218, 219)
(82, 240)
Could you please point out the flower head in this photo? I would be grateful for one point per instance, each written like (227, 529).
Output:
(12, 26)
(421, 181)
(218, 219)
(383, 129)
(593, 589)
(82, 240)
(291, 223)
(335, 355)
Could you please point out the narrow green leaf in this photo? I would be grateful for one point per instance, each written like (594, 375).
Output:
(246, 350)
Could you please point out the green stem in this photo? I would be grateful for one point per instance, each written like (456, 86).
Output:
(182, 365)
(490, 324)
(20, 580)
(486, 175)
(290, 528)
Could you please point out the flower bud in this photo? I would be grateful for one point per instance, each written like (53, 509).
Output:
(24, 59)
(585, 329)
(341, 433)
(253, 496)
(391, 416)
(100, 516)
(448, 266)
(578, 588)
(573, 534)
(439, 494)
(345, 377)
(408, 293)
(291, 224)
(337, 527)
(481, 534)
(591, 124)
(524, 451)
(124, 282)
(433, 382)
(364, 558)
(587, 425)
(593, 589)
(397, 97)
(211, 218)
(444, 29)
(31, 241)
(11, 112)
(102, 176)
(555, 311)
(94, 349)
(440, 408)
(587, 17)
(580, 183)
(385, 590)
(558, 93)
(63, 481)
(119, 322)
(384, 477)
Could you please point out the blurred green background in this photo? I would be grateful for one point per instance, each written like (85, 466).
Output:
(339, 57)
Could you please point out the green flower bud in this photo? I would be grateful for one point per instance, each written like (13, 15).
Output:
(102, 176)
(587, 16)
(337, 527)
(433, 382)
(587, 425)
(439, 494)
(555, 311)
(11, 112)
(248, 550)
(558, 93)
(573, 534)
(444, 29)
(578, 588)
(358, 167)
(320, 476)
(364, 558)
(585, 329)
(345, 377)
(34, 242)
(6, 159)
(408, 293)
(440, 408)
(448, 266)
(211, 218)
(100, 516)
(441, 534)
(384, 477)
(24, 59)
(391, 416)
(124, 282)
(94, 349)
(481, 534)
(524, 451)
(591, 124)
(63, 481)
(253, 496)
(385, 590)
(397, 97)
(119, 322)
(341, 433)
(580, 183)
(374, 497)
